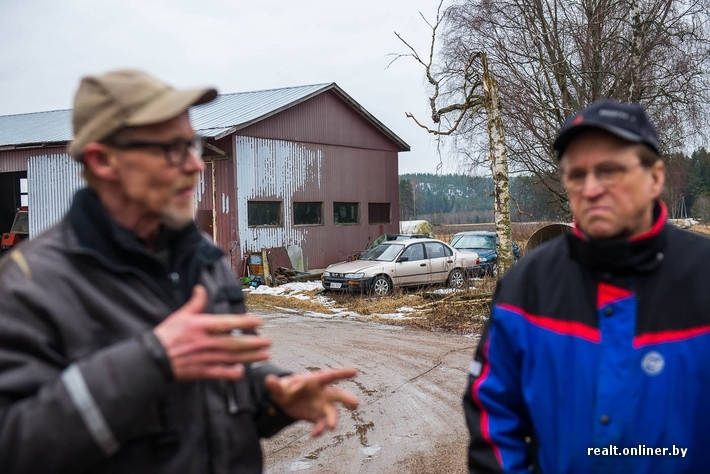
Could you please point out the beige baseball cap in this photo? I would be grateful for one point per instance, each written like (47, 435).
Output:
(106, 103)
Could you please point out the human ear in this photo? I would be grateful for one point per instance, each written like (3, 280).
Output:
(658, 177)
(100, 160)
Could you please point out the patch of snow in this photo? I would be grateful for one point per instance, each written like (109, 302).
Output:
(394, 316)
(370, 451)
(300, 465)
(445, 291)
(287, 289)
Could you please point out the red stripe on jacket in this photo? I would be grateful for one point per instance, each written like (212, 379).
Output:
(673, 335)
(607, 293)
(484, 414)
(559, 326)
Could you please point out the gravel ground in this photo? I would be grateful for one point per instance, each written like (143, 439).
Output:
(410, 384)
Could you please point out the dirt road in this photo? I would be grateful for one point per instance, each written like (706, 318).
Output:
(410, 385)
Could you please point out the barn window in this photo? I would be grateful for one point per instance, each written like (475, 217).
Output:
(264, 213)
(378, 213)
(346, 212)
(307, 213)
(24, 196)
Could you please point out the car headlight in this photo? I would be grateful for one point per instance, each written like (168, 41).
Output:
(354, 275)
(326, 274)
(483, 259)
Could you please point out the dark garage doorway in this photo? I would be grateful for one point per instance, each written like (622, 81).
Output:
(11, 197)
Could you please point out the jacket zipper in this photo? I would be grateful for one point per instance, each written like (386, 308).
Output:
(175, 281)
(232, 405)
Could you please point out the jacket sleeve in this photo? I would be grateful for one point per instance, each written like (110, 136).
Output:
(66, 415)
(493, 403)
(269, 418)
(228, 297)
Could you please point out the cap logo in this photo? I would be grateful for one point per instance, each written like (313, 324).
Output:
(578, 119)
(617, 114)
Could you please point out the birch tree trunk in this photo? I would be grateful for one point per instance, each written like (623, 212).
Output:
(499, 167)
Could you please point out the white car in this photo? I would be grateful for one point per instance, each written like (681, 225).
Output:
(401, 263)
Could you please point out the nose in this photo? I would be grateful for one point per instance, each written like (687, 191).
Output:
(194, 162)
(592, 185)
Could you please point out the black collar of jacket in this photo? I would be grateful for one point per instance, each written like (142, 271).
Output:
(96, 230)
(622, 256)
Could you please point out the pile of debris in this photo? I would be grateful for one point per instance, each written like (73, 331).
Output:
(272, 267)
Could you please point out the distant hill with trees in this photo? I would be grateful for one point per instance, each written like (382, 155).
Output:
(463, 199)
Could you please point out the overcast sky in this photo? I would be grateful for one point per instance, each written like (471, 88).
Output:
(235, 45)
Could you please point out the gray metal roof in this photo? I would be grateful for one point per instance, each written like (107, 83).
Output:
(35, 128)
(224, 115)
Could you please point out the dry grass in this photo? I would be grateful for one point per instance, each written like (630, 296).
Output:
(277, 302)
(703, 229)
(460, 312)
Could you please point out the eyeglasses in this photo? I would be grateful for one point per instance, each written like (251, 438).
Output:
(176, 151)
(607, 174)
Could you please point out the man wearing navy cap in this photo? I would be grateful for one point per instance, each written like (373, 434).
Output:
(594, 358)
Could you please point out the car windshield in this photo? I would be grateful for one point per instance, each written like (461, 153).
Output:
(475, 242)
(383, 253)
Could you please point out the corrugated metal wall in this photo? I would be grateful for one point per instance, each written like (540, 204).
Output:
(289, 171)
(226, 211)
(52, 181)
(274, 170)
(15, 160)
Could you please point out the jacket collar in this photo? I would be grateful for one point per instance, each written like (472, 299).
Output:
(96, 230)
(641, 253)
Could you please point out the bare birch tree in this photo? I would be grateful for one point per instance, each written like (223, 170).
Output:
(462, 88)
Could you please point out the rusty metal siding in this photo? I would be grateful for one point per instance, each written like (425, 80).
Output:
(226, 211)
(52, 181)
(288, 171)
(274, 170)
(323, 119)
(205, 188)
(11, 161)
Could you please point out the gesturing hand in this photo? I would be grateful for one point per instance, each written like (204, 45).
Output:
(202, 346)
(311, 396)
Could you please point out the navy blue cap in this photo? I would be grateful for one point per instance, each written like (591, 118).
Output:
(624, 120)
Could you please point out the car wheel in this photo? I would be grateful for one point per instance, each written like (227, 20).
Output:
(381, 286)
(457, 279)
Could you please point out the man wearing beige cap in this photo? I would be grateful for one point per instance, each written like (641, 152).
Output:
(123, 343)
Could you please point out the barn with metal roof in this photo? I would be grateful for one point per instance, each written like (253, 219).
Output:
(302, 166)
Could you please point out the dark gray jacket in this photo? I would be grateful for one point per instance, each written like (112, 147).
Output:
(85, 386)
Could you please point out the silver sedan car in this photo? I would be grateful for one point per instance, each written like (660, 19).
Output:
(402, 263)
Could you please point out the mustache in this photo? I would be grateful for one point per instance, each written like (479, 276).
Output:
(188, 182)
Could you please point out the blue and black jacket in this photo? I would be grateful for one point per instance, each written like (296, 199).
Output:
(596, 354)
